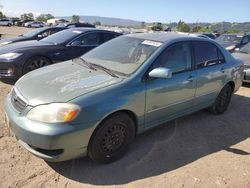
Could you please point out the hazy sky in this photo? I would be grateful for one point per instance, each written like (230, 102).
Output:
(141, 10)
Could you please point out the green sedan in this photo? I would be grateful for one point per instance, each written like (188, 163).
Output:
(95, 105)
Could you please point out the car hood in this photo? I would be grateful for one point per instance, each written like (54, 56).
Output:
(22, 45)
(61, 83)
(243, 57)
(10, 40)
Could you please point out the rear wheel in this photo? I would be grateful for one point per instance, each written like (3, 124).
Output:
(35, 63)
(222, 101)
(112, 138)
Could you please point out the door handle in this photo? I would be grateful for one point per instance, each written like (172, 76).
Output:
(222, 70)
(190, 78)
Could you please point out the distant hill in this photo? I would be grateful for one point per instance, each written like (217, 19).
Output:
(107, 20)
(220, 26)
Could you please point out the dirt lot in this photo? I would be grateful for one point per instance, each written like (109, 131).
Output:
(199, 150)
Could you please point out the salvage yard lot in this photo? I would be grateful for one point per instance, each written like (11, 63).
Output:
(199, 150)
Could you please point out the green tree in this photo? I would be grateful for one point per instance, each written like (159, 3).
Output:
(44, 17)
(27, 16)
(97, 23)
(205, 30)
(75, 19)
(183, 27)
(196, 29)
(2, 15)
(233, 31)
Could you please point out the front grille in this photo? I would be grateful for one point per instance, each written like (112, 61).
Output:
(17, 101)
(3, 71)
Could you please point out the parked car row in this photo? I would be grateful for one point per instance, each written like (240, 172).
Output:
(109, 88)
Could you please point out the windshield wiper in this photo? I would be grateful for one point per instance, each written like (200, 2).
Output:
(87, 64)
(110, 72)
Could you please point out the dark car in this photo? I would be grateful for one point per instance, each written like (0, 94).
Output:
(210, 35)
(36, 34)
(233, 41)
(244, 55)
(22, 57)
(22, 22)
(71, 25)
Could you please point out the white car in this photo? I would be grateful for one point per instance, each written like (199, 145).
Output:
(34, 24)
(6, 22)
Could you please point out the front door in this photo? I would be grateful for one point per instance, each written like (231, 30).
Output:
(169, 98)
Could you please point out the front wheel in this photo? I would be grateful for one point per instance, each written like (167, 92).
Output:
(222, 101)
(35, 63)
(112, 138)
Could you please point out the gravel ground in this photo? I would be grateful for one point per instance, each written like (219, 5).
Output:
(199, 150)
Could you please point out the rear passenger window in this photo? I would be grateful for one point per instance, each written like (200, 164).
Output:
(207, 54)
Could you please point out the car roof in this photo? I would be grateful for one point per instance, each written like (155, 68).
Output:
(86, 29)
(161, 36)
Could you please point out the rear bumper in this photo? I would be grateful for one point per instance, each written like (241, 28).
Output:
(51, 142)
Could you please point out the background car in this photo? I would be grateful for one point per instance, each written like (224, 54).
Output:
(36, 34)
(72, 25)
(232, 41)
(96, 105)
(34, 24)
(5, 22)
(22, 22)
(244, 55)
(22, 57)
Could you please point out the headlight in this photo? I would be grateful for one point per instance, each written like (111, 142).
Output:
(11, 55)
(5, 43)
(54, 113)
(230, 47)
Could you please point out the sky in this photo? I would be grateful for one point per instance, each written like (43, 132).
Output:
(165, 11)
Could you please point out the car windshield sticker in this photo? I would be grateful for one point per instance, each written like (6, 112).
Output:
(152, 43)
(77, 32)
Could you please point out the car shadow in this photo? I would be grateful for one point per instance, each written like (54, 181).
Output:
(168, 147)
(8, 81)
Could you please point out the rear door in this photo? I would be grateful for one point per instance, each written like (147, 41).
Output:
(211, 72)
(167, 98)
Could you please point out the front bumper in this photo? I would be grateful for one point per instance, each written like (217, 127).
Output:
(246, 76)
(51, 142)
(9, 69)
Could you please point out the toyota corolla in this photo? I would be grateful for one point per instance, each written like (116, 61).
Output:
(96, 105)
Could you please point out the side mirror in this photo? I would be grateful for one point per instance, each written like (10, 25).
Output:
(75, 43)
(39, 37)
(160, 72)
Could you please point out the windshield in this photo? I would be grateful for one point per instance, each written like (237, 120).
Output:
(122, 55)
(33, 33)
(229, 38)
(62, 36)
(245, 49)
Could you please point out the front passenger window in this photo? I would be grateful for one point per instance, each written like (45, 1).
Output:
(176, 57)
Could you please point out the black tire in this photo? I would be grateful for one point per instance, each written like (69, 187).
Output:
(35, 63)
(112, 138)
(9, 24)
(222, 101)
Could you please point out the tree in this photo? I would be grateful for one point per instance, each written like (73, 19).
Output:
(196, 29)
(143, 24)
(97, 23)
(75, 19)
(44, 17)
(2, 15)
(27, 16)
(183, 27)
